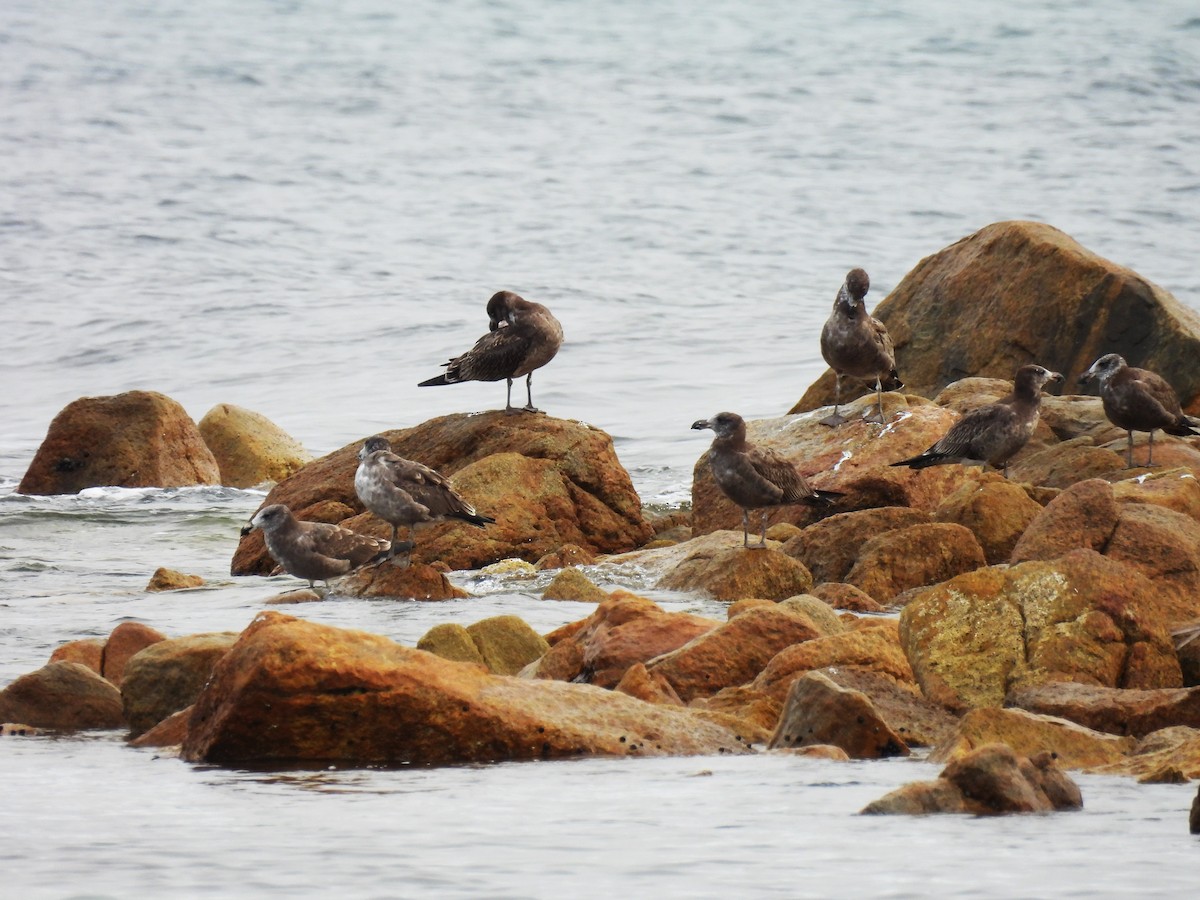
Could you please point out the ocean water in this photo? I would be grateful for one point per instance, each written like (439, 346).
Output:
(302, 208)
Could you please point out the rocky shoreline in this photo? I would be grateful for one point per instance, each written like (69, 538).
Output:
(1005, 627)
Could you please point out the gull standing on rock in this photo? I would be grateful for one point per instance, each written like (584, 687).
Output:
(1137, 400)
(993, 433)
(755, 477)
(314, 551)
(856, 344)
(522, 336)
(403, 492)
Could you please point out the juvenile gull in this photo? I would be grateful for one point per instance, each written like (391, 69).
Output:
(314, 551)
(856, 344)
(522, 336)
(755, 477)
(1137, 400)
(993, 433)
(403, 492)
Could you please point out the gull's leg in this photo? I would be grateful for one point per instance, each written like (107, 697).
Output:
(835, 418)
(745, 528)
(529, 407)
(877, 416)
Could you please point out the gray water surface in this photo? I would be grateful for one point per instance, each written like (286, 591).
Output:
(302, 208)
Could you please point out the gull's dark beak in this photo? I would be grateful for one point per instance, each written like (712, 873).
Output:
(701, 424)
(247, 528)
(1086, 378)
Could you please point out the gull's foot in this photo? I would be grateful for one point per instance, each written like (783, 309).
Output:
(875, 418)
(833, 420)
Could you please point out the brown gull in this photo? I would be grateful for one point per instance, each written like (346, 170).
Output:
(1137, 400)
(994, 433)
(314, 551)
(522, 336)
(856, 344)
(403, 492)
(755, 477)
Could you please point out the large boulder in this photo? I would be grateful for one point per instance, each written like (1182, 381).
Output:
(167, 676)
(997, 512)
(297, 691)
(1023, 292)
(124, 642)
(64, 696)
(135, 439)
(1078, 618)
(546, 481)
(249, 448)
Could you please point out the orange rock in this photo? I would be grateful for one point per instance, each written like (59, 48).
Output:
(416, 581)
(167, 676)
(165, 579)
(547, 481)
(124, 642)
(1075, 746)
(566, 556)
(624, 630)
(846, 597)
(297, 691)
(1006, 295)
(136, 439)
(739, 573)
(1169, 748)
(1082, 516)
(914, 557)
(1080, 618)
(249, 448)
(506, 643)
(997, 512)
(638, 682)
(1111, 710)
(818, 711)
(572, 584)
(735, 652)
(830, 547)
(64, 696)
(89, 652)
(170, 732)
(876, 649)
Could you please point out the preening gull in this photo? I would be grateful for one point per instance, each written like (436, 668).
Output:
(858, 345)
(522, 336)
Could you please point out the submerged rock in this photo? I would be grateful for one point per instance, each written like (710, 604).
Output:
(165, 579)
(548, 482)
(249, 448)
(136, 439)
(992, 780)
(571, 584)
(417, 581)
(63, 696)
(296, 691)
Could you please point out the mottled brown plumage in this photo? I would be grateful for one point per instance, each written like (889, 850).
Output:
(858, 345)
(522, 336)
(755, 477)
(994, 433)
(314, 551)
(403, 492)
(1137, 400)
